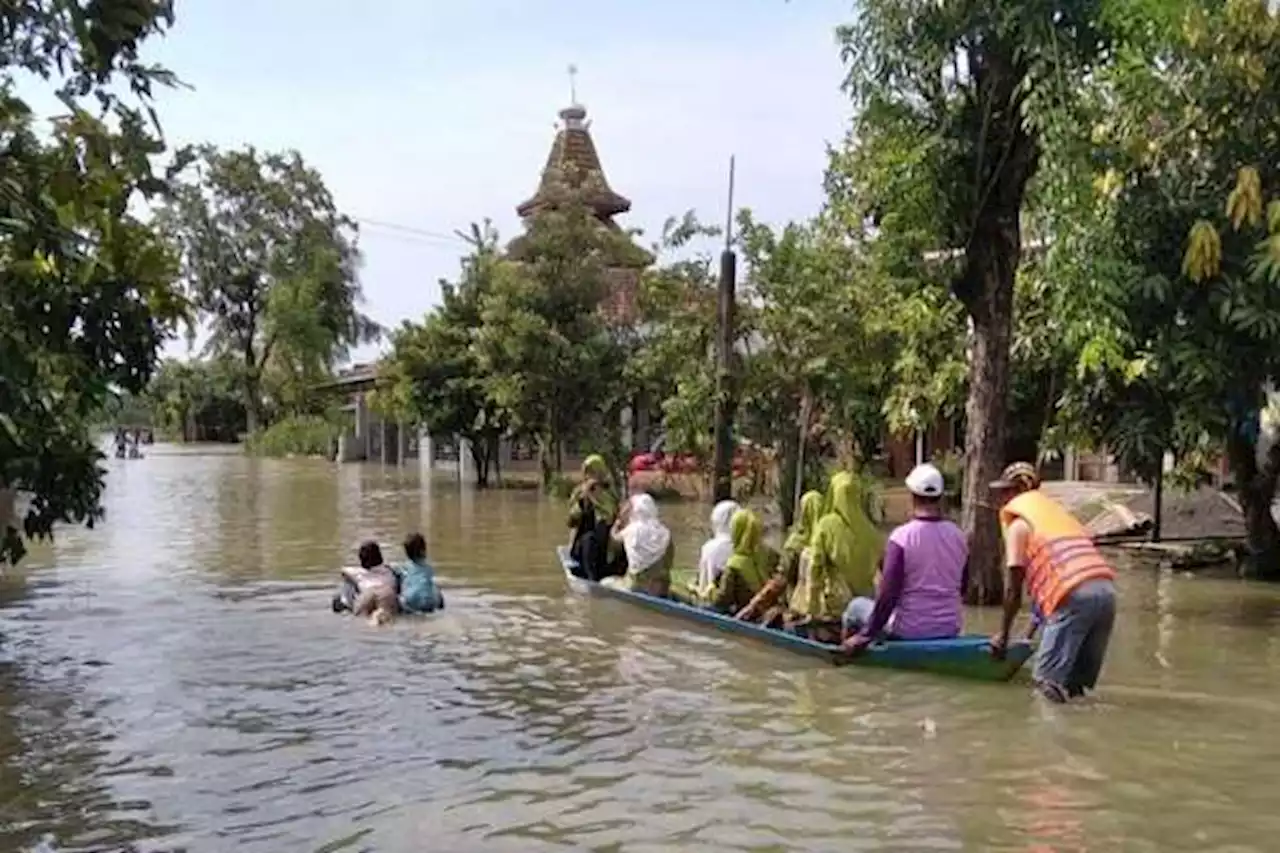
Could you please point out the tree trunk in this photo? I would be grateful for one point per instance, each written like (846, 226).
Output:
(252, 403)
(991, 309)
(545, 461)
(1007, 157)
(1257, 490)
(479, 447)
(786, 469)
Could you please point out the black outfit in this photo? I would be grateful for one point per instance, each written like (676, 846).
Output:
(590, 548)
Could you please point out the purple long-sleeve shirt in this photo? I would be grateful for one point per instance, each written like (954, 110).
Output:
(921, 581)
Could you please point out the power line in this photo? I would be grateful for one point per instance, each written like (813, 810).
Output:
(380, 235)
(410, 230)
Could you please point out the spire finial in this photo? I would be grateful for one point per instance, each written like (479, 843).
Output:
(573, 85)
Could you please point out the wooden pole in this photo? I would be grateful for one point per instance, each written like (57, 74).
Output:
(726, 397)
(806, 409)
(1157, 503)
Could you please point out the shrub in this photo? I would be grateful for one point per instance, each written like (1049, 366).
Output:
(298, 435)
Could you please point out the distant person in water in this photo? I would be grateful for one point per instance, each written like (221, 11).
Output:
(593, 509)
(922, 576)
(378, 598)
(418, 590)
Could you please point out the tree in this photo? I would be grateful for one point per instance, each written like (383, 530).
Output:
(197, 400)
(671, 360)
(1182, 258)
(814, 349)
(544, 348)
(954, 101)
(433, 376)
(270, 263)
(85, 295)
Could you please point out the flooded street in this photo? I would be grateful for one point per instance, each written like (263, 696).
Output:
(174, 680)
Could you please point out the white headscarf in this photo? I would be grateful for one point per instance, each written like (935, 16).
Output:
(645, 538)
(717, 550)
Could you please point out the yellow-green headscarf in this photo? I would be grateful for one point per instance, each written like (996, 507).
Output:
(604, 499)
(747, 531)
(846, 538)
(802, 530)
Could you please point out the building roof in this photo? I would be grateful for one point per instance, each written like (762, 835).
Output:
(574, 163)
(357, 377)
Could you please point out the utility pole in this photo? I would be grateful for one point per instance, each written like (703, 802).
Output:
(726, 386)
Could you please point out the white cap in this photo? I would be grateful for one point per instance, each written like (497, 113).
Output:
(925, 481)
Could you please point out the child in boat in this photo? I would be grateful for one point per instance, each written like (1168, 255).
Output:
(378, 597)
(648, 546)
(418, 590)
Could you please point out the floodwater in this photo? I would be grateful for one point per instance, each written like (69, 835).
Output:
(174, 680)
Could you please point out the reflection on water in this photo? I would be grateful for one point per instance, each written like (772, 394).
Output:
(173, 680)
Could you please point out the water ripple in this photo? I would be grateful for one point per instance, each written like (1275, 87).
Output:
(173, 680)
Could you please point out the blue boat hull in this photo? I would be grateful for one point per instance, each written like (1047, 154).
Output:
(968, 656)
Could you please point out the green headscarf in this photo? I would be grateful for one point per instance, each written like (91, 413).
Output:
(802, 530)
(747, 532)
(603, 498)
(595, 467)
(846, 539)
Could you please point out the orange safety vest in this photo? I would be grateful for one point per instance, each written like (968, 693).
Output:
(1060, 554)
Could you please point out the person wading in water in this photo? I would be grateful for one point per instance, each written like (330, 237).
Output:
(1070, 583)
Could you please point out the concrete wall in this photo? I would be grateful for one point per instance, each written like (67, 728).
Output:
(372, 439)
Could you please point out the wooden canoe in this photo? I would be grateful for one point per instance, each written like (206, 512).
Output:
(967, 656)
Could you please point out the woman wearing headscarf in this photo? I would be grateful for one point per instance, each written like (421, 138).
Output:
(762, 608)
(593, 508)
(801, 533)
(648, 546)
(719, 548)
(746, 571)
(839, 564)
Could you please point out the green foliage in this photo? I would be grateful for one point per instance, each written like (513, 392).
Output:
(271, 264)
(956, 105)
(813, 333)
(815, 346)
(85, 295)
(519, 345)
(543, 348)
(296, 435)
(197, 400)
(433, 375)
(672, 360)
(1186, 297)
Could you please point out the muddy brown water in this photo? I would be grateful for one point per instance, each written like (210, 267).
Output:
(174, 681)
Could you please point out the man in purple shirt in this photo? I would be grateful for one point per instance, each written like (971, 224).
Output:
(919, 595)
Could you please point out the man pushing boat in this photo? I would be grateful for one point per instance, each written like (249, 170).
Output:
(1070, 584)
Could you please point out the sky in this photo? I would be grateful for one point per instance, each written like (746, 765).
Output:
(430, 115)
